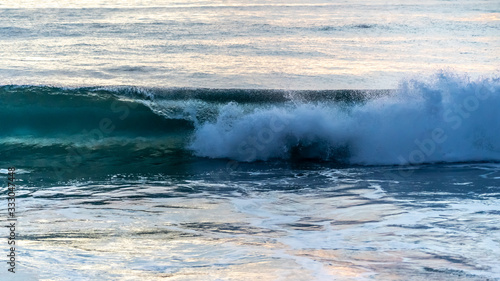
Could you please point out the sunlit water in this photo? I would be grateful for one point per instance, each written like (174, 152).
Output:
(244, 44)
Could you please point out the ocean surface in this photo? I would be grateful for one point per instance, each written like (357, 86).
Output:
(251, 140)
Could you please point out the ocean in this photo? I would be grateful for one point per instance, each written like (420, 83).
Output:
(250, 140)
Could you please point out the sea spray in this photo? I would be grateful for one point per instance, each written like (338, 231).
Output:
(443, 118)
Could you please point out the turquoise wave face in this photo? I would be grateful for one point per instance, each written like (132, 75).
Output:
(41, 112)
(63, 114)
(64, 133)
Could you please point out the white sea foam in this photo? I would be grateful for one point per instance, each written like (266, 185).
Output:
(17, 171)
(442, 118)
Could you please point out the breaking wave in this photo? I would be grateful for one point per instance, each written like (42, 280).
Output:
(442, 118)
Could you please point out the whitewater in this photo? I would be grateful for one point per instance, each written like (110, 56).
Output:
(450, 119)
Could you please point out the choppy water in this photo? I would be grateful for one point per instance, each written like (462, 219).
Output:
(231, 141)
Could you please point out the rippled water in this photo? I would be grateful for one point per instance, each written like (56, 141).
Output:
(241, 44)
(267, 222)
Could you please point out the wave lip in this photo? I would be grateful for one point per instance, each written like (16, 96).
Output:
(443, 118)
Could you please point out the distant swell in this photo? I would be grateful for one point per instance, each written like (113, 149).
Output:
(442, 118)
